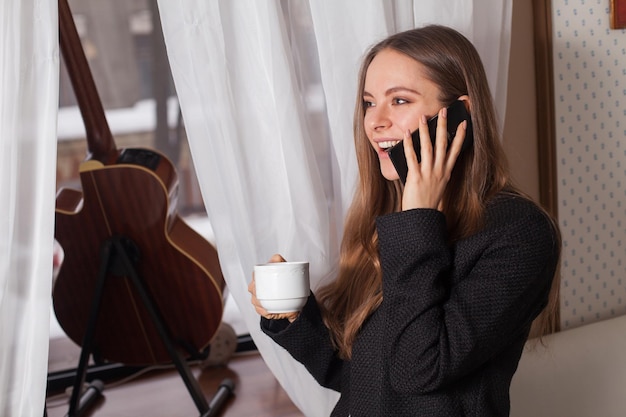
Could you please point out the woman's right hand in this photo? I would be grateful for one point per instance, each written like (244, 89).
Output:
(257, 305)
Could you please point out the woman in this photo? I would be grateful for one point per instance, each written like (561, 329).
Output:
(440, 278)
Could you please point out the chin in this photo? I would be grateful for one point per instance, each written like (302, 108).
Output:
(390, 174)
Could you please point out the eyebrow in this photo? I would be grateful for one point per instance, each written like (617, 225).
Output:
(394, 90)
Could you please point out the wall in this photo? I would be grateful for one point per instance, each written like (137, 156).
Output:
(590, 105)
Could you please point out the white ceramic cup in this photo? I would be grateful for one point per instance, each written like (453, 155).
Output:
(282, 287)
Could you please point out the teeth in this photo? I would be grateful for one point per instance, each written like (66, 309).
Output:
(388, 144)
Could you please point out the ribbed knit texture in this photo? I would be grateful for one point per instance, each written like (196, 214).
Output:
(448, 336)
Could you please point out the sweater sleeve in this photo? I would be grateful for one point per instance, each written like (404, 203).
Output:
(308, 340)
(446, 315)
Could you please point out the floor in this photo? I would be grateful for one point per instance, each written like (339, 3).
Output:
(162, 393)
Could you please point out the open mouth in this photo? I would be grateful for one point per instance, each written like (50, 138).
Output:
(388, 144)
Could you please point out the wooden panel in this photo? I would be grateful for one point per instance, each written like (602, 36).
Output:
(545, 105)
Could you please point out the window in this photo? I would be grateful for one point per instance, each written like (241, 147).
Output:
(130, 69)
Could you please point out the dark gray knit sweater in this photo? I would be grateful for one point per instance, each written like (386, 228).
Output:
(449, 333)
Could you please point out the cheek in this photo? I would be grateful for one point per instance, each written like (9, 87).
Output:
(365, 127)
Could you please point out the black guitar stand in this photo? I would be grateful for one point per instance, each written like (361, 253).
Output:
(117, 256)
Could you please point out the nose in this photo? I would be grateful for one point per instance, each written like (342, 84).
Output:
(377, 118)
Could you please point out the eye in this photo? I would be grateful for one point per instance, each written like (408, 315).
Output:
(399, 100)
(367, 104)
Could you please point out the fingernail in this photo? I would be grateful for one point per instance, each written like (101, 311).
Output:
(423, 118)
(444, 112)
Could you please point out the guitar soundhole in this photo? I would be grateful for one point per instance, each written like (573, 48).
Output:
(143, 157)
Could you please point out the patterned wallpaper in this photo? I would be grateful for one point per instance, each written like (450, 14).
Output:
(590, 104)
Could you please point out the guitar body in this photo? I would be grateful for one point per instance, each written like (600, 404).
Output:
(134, 198)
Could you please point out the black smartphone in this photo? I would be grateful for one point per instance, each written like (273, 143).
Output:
(457, 112)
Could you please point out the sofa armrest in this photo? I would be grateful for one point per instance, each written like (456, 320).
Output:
(574, 373)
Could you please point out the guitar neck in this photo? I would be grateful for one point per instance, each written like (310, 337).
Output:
(100, 143)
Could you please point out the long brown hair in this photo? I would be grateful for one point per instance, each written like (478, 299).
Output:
(453, 64)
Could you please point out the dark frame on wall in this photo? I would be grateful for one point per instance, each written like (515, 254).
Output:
(546, 129)
(618, 14)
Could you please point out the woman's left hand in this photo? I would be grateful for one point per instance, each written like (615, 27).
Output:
(426, 181)
(257, 304)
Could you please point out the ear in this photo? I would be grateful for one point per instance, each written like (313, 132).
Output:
(468, 104)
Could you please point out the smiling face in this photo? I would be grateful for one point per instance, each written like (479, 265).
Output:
(396, 95)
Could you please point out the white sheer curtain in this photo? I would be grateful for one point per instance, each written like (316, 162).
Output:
(267, 90)
(28, 105)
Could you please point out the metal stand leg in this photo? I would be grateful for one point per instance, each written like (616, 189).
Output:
(181, 365)
(114, 255)
(75, 409)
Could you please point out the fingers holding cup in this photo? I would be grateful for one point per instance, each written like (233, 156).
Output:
(279, 288)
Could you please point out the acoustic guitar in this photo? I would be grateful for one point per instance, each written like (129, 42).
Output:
(129, 194)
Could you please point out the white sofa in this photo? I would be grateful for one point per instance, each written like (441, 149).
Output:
(575, 373)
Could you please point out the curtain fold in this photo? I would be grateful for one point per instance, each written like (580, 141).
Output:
(28, 108)
(267, 92)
